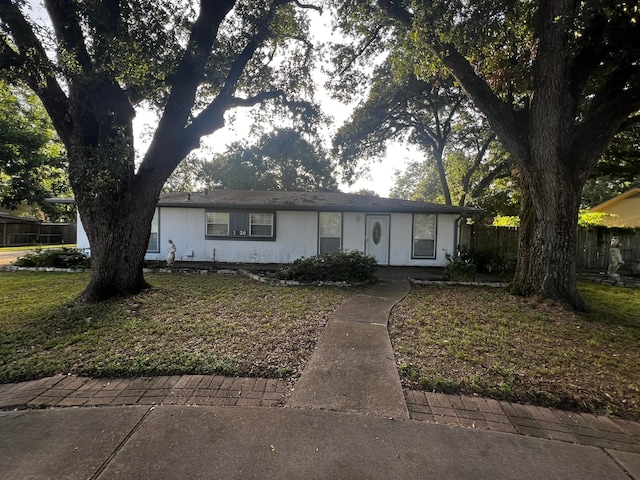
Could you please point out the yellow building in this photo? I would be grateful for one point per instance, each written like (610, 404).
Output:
(625, 209)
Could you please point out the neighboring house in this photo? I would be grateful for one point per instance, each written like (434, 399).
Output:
(279, 227)
(625, 209)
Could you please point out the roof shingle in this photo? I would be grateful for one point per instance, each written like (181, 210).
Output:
(286, 200)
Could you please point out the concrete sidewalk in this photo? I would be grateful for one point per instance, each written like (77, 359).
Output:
(179, 442)
(347, 418)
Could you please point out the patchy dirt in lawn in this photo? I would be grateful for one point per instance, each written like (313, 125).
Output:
(484, 341)
(186, 324)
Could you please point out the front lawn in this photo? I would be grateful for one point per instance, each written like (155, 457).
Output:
(483, 341)
(455, 339)
(187, 324)
(36, 247)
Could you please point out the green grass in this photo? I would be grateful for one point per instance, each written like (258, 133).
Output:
(35, 247)
(452, 339)
(484, 341)
(186, 324)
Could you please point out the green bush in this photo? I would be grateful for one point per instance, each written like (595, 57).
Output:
(343, 266)
(55, 257)
(460, 267)
(493, 261)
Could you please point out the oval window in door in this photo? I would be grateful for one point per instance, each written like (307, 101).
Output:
(376, 233)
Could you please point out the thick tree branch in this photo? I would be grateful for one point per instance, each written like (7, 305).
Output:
(190, 71)
(500, 115)
(39, 75)
(396, 11)
(212, 117)
(106, 21)
(66, 26)
(604, 119)
(10, 60)
(307, 6)
(466, 179)
(500, 171)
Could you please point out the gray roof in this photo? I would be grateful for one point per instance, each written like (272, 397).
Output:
(284, 200)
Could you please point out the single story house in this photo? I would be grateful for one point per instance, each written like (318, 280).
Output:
(625, 210)
(281, 226)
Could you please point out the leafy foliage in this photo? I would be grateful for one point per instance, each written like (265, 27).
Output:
(555, 80)
(281, 160)
(586, 218)
(592, 219)
(342, 266)
(33, 165)
(461, 266)
(432, 113)
(54, 257)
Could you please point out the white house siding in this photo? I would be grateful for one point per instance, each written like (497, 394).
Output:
(353, 231)
(296, 236)
(186, 227)
(82, 241)
(402, 242)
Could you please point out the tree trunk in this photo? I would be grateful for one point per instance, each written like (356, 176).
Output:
(118, 234)
(548, 237)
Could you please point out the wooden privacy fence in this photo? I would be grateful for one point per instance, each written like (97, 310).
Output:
(500, 244)
(19, 233)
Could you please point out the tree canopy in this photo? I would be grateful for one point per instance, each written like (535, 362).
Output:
(95, 63)
(284, 159)
(33, 161)
(280, 160)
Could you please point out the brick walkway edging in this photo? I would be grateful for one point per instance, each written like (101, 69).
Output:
(71, 391)
(208, 390)
(489, 414)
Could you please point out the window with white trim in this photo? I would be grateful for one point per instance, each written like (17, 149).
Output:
(424, 235)
(329, 232)
(261, 225)
(240, 225)
(218, 223)
(154, 241)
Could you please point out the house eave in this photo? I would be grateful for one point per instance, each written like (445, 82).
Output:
(299, 201)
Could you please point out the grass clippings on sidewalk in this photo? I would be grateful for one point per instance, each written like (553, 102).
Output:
(484, 341)
(194, 323)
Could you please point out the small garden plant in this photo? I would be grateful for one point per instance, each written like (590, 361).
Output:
(460, 267)
(344, 266)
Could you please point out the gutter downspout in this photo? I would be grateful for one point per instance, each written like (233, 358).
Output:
(456, 234)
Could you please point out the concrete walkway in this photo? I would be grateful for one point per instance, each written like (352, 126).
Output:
(347, 418)
(353, 368)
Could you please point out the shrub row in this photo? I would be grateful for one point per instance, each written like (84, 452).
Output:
(55, 257)
(344, 266)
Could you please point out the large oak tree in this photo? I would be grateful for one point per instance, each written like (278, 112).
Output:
(557, 79)
(94, 62)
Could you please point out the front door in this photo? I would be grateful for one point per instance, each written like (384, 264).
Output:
(377, 238)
